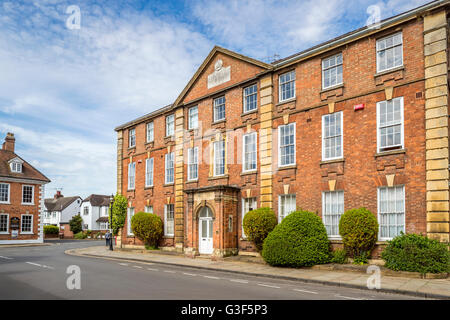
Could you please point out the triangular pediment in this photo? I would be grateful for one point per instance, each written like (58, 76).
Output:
(220, 69)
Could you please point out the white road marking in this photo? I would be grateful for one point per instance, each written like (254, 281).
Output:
(7, 258)
(306, 291)
(189, 274)
(268, 285)
(34, 264)
(169, 271)
(152, 269)
(211, 277)
(40, 265)
(351, 298)
(123, 264)
(238, 280)
(139, 267)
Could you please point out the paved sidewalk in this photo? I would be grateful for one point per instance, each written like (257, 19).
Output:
(427, 288)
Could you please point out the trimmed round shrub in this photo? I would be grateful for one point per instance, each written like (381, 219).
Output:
(359, 231)
(300, 240)
(257, 225)
(416, 253)
(147, 227)
(51, 230)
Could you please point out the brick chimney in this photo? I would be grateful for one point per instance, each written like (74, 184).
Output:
(58, 194)
(9, 143)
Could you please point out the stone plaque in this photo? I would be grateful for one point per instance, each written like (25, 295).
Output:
(220, 75)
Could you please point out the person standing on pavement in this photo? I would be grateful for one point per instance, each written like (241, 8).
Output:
(107, 237)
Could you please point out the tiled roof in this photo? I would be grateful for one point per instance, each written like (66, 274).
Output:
(28, 171)
(98, 200)
(59, 204)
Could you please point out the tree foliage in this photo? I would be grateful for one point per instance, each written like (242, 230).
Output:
(119, 213)
(76, 224)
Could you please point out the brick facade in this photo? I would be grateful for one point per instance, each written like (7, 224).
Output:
(14, 208)
(359, 173)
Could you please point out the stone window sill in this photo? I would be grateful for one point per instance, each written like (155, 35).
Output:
(192, 181)
(168, 237)
(225, 176)
(390, 152)
(288, 167)
(332, 161)
(219, 121)
(286, 101)
(246, 173)
(249, 112)
(382, 73)
(169, 184)
(148, 188)
(338, 86)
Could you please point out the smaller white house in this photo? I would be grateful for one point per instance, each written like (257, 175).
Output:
(94, 211)
(60, 209)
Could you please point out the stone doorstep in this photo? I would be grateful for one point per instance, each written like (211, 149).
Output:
(321, 267)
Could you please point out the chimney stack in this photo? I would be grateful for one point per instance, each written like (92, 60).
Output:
(58, 194)
(9, 143)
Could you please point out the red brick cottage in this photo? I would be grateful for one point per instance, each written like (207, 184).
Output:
(358, 121)
(21, 197)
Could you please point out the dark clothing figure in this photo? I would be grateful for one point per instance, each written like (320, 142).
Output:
(108, 238)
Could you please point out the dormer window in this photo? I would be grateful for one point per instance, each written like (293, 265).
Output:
(16, 165)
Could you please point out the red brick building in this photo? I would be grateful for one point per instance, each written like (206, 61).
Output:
(21, 197)
(358, 121)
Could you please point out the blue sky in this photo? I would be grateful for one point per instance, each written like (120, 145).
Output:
(62, 91)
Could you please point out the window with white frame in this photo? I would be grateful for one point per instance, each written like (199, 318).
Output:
(332, 210)
(150, 132)
(286, 205)
(27, 194)
(131, 138)
(4, 223)
(148, 209)
(391, 211)
(131, 175)
(4, 192)
(27, 223)
(193, 117)
(332, 137)
(86, 210)
(193, 163)
(16, 167)
(169, 220)
(219, 158)
(286, 142)
(170, 125)
(169, 177)
(390, 124)
(390, 52)
(249, 152)
(104, 225)
(149, 172)
(248, 204)
(287, 86)
(250, 98)
(219, 108)
(332, 71)
(130, 215)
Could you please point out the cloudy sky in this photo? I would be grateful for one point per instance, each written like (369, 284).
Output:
(64, 90)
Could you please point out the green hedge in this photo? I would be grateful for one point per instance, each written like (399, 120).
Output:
(51, 230)
(416, 253)
(147, 227)
(80, 235)
(359, 231)
(299, 240)
(257, 225)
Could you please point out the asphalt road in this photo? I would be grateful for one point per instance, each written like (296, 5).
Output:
(40, 272)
